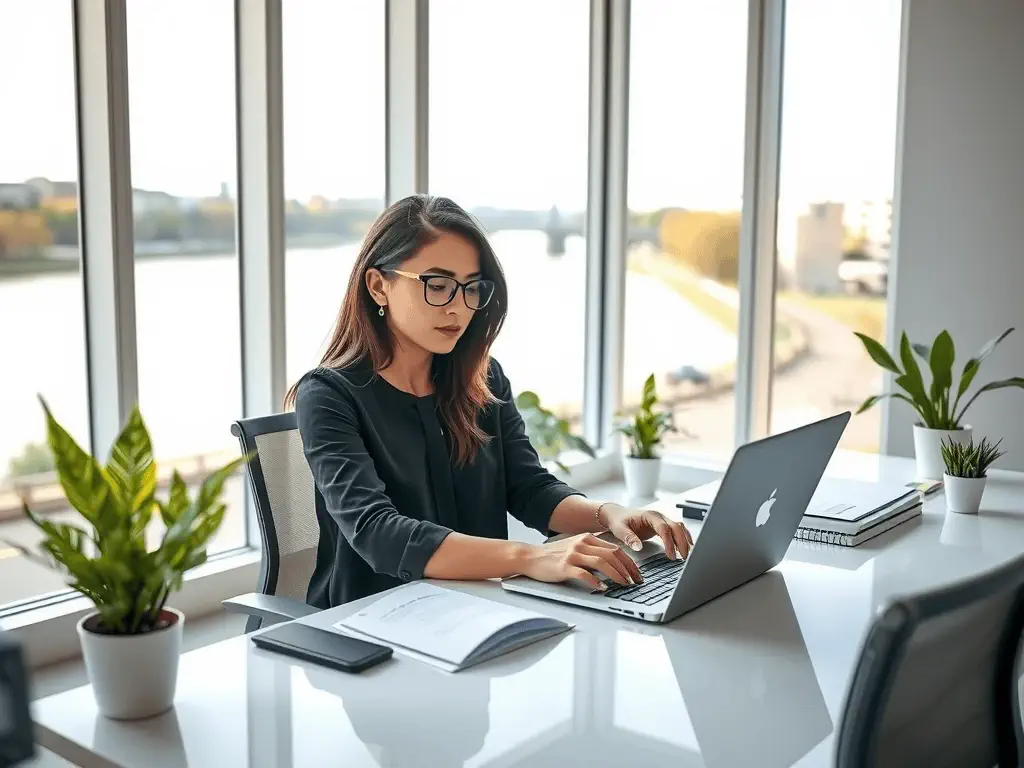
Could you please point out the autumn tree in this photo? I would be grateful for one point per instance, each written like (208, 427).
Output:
(706, 241)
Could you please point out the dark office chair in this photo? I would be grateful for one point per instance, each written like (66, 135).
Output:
(285, 497)
(17, 744)
(937, 679)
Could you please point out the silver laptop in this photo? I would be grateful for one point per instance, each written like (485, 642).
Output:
(747, 530)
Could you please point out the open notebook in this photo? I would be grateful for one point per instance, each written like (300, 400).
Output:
(449, 629)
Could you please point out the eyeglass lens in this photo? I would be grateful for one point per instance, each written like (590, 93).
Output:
(441, 290)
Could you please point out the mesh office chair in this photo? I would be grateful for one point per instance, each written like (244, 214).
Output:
(937, 679)
(285, 498)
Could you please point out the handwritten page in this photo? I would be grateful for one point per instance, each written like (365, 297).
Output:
(441, 623)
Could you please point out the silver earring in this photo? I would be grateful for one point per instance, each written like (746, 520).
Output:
(381, 312)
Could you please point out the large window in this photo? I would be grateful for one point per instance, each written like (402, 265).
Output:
(687, 96)
(840, 78)
(508, 141)
(181, 71)
(42, 339)
(333, 158)
(509, 89)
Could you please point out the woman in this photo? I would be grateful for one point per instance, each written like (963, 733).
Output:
(413, 436)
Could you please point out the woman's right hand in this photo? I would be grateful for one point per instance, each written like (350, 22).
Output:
(576, 556)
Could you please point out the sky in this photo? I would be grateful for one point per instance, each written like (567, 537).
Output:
(508, 99)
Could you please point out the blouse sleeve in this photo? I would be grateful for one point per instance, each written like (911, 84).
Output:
(531, 492)
(354, 495)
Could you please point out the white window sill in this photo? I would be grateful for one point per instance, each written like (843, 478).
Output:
(679, 472)
(48, 633)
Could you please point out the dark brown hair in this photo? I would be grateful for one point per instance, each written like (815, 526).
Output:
(361, 335)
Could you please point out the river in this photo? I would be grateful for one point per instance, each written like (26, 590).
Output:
(187, 316)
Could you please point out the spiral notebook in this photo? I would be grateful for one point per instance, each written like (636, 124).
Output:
(843, 512)
(810, 528)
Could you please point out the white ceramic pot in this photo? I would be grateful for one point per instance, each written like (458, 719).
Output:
(928, 449)
(133, 676)
(963, 494)
(642, 476)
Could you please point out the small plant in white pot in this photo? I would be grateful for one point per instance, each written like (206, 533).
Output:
(937, 404)
(550, 436)
(966, 472)
(131, 642)
(644, 431)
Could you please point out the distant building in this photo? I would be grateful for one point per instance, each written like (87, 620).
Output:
(360, 204)
(818, 249)
(871, 222)
(61, 196)
(19, 197)
(146, 203)
(825, 247)
(54, 189)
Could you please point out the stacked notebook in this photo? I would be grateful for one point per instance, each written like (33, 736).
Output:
(843, 512)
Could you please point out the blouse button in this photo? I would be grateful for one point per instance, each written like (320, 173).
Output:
(405, 575)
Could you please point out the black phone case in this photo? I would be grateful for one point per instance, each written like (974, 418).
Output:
(692, 513)
(323, 656)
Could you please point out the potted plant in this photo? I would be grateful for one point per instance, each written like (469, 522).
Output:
(966, 472)
(549, 435)
(645, 431)
(131, 641)
(937, 403)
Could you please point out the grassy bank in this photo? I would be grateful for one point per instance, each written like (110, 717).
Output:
(791, 342)
(865, 314)
(688, 285)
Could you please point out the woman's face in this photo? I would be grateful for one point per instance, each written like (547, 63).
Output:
(410, 304)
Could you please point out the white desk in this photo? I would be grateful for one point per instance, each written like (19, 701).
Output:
(756, 677)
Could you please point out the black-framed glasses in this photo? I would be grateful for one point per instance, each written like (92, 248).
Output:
(439, 290)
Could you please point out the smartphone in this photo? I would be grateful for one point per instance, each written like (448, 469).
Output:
(322, 646)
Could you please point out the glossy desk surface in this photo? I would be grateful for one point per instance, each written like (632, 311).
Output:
(756, 677)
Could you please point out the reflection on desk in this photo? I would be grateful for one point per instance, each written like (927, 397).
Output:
(617, 697)
(742, 677)
(756, 677)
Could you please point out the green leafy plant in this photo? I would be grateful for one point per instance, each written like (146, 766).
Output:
(937, 403)
(969, 459)
(549, 435)
(109, 562)
(646, 428)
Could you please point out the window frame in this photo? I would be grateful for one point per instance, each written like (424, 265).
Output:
(47, 625)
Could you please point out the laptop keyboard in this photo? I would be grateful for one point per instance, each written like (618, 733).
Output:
(660, 575)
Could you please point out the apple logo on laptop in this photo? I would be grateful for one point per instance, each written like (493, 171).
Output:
(765, 511)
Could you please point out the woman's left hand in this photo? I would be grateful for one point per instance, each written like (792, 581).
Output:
(634, 526)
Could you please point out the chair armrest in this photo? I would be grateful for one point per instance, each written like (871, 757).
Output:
(271, 607)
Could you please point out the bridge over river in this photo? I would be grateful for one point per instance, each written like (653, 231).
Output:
(556, 225)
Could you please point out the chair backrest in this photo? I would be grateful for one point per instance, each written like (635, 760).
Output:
(284, 494)
(937, 679)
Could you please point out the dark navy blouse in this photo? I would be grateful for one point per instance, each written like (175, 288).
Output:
(389, 492)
